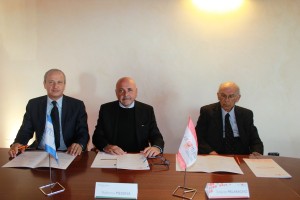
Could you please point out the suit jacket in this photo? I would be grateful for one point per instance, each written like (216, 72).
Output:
(146, 127)
(73, 121)
(209, 130)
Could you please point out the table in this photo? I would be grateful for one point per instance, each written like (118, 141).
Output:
(79, 180)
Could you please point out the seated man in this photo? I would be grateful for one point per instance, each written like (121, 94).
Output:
(72, 129)
(224, 128)
(127, 125)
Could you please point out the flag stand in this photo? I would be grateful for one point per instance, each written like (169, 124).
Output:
(186, 157)
(181, 191)
(52, 188)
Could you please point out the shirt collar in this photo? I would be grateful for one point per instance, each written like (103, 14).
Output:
(130, 106)
(58, 101)
(231, 113)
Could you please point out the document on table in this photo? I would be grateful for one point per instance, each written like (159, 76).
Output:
(126, 161)
(267, 168)
(227, 190)
(35, 159)
(213, 163)
(104, 160)
(116, 190)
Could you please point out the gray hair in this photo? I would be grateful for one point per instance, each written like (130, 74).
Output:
(230, 84)
(54, 70)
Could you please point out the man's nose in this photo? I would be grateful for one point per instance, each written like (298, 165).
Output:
(55, 85)
(126, 93)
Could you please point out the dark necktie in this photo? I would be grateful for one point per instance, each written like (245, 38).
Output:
(55, 121)
(229, 139)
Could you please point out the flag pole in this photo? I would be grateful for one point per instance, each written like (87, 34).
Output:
(50, 168)
(186, 157)
(52, 188)
(184, 178)
(184, 190)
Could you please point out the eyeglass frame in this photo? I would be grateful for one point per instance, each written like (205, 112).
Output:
(229, 97)
(163, 160)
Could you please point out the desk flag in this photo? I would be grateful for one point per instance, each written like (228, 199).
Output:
(188, 149)
(49, 138)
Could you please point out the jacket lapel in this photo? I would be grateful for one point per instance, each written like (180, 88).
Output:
(239, 121)
(218, 119)
(43, 110)
(115, 118)
(64, 112)
(138, 123)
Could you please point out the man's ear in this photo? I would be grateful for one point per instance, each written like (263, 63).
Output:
(238, 98)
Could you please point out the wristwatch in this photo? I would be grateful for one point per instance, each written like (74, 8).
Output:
(82, 147)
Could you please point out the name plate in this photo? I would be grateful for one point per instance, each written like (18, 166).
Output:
(105, 190)
(227, 190)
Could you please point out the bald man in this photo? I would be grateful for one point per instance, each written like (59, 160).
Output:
(127, 125)
(213, 135)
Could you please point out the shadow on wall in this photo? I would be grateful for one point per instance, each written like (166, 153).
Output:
(3, 55)
(87, 94)
(162, 114)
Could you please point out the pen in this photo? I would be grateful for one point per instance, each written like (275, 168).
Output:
(22, 147)
(237, 159)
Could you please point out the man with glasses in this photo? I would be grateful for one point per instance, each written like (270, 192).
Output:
(224, 128)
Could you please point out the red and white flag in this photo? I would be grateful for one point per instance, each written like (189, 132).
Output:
(188, 149)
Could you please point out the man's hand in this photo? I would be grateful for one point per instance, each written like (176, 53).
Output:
(151, 151)
(114, 150)
(254, 155)
(213, 153)
(15, 149)
(75, 149)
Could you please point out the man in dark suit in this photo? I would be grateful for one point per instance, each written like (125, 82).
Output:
(236, 136)
(72, 118)
(127, 125)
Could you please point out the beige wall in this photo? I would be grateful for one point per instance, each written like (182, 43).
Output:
(177, 54)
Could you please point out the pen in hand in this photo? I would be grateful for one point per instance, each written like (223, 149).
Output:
(23, 147)
(14, 151)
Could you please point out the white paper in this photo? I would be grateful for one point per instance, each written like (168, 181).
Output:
(126, 161)
(116, 190)
(213, 163)
(34, 159)
(104, 160)
(227, 190)
(266, 168)
(133, 161)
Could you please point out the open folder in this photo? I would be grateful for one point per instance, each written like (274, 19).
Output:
(266, 168)
(126, 161)
(35, 159)
(213, 163)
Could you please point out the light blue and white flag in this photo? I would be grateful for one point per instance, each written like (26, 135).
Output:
(49, 138)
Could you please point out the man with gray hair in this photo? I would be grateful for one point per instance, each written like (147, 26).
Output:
(224, 128)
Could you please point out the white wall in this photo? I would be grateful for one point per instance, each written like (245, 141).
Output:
(177, 54)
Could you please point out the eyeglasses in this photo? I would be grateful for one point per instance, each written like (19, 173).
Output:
(159, 163)
(224, 96)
